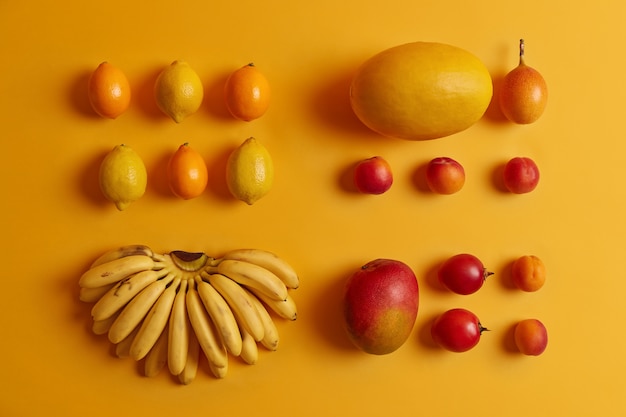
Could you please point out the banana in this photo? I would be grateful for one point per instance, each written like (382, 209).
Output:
(285, 308)
(218, 372)
(270, 337)
(269, 261)
(91, 295)
(157, 357)
(239, 301)
(122, 349)
(253, 276)
(250, 350)
(209, 340)
(102, 326)
(178, 337)
(122, 252)
(137, 309)
(221, 315)
(155, 322)
(188, 374)
(116, 270)
(118, 296)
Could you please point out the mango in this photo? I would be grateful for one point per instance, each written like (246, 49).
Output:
(421, 91)
(380, 306)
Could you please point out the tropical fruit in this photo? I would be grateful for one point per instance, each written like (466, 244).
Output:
(524, 92)
(172, 308)
(380, 306)
(421, 90)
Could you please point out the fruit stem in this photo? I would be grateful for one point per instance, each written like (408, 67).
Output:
(486, 273)
(189, 261)
(482, 329)
(521, 51)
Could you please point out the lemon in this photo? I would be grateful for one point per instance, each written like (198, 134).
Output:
(178, 91)
(250, 171)
(123, 176)
(421, 90)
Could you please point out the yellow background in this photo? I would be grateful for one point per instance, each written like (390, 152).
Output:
(56, 222)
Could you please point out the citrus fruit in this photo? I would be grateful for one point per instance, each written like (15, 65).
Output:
(123, 177)
(187, 173)
(249, 171)
(109, 91)
(178, 91)
(247, 93)
(421, 90)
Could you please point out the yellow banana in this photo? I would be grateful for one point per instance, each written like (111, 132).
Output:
(122, 252)
(253, 276)
(91, 295)
(269, 261)
(157, 357)
(116, 270)
(188, 374)
(239, 301)
(221, 315)
(209, 340)
(137, 309)
(102, 326)
(154, 323)
(250, 350)
(270, 337)
(122, 349)
(118, 296)
(178, 338)
(285, 308)
(219, 372)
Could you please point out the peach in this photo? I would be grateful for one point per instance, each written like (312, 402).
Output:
(531, 337)
(528, 273)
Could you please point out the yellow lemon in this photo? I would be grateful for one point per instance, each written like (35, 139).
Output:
(421, 90)
(250, 171)
(178, 91)
(123, 176)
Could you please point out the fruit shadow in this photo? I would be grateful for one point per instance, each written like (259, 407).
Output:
(78, 94)
(329, 321)
(217, 174)
(88, 179)
(345, 178)
(330, 103)
(494, 114)
(144, 96)
(497, 177)
(508, 339)
(418, 178)
(424, 337)
(213, 100)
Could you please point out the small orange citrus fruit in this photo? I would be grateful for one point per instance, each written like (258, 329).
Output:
(247, 93)
(109, 91)
(187, 173)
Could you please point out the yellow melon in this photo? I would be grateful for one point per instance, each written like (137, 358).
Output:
(421, 90)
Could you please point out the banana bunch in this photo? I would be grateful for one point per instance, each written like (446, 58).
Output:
(170, 308)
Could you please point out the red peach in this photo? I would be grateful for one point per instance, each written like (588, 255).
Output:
(445, 175)
(373, 175)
